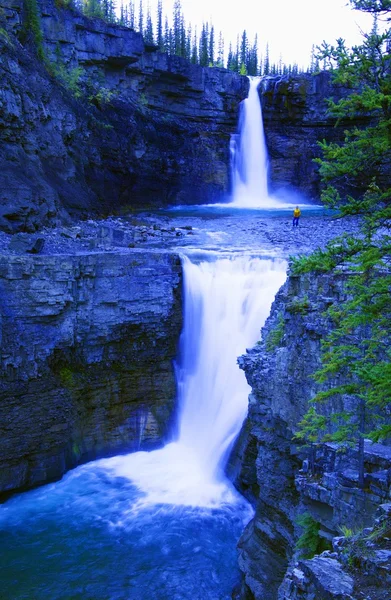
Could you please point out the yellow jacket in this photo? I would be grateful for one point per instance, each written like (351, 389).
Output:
(297, 212)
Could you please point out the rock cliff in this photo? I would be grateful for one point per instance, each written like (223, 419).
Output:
(87, 344)
(105, 122)
(296, 117)
(268, 466)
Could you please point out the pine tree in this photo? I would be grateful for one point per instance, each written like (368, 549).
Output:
(159, 31)
(243, 49)
(266, 64)
(167, 36)
(188, 41)
(177, 25)
(141, 17)
(93, 8)
(194, 49)
(358, 348)
(252, 58)
(132, 13)
(148, 33)
(211, 58)
(220, 51)
(204, 46)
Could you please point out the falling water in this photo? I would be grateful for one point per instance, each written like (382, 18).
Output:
(226, 303)
(249, 158)
(161, 524)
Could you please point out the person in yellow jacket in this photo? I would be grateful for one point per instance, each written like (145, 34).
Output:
(296, 215)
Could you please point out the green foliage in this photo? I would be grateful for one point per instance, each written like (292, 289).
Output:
(32, 27)
(103, 97)
(311, 427)
(276, 335)
(299, 306)
(65, 4)
(310, 542)
(4, 34)
(358, 349)
(66, 377)
(69, 78)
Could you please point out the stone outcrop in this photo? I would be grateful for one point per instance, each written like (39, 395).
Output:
(296, 117)
(268, 465)
(107, 124)
(87, 344)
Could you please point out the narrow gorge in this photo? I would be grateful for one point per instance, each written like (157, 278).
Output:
(157, 350)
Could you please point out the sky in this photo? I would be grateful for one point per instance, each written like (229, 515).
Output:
(290, 27)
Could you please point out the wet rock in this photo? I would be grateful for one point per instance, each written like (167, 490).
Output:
(21, 243)
(321, 578)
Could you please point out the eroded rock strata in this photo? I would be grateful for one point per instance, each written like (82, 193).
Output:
(269, 467)
(106, 122)
(87, 344)
(296, 117)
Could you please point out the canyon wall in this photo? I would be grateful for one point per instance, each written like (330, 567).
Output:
(271, 469)
(296, 117)
(105, 123)
(87, 344)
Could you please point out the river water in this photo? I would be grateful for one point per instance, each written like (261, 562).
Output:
(161, 524)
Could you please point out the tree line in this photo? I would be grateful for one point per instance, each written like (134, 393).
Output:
(203, 46)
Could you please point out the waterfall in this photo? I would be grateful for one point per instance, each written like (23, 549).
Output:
(249, 158)
(226, 304)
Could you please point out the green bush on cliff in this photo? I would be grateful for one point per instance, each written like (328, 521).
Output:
(276, 334)
(356, 355)
(310, 542)
(70, 78)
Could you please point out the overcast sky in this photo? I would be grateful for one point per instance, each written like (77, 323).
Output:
(290, 26)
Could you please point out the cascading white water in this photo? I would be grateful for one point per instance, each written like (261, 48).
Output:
(226, 304)
(249, 157)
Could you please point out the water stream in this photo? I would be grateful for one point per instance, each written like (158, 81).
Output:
(161, 524)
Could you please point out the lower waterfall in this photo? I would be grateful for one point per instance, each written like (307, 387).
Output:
(161, 524)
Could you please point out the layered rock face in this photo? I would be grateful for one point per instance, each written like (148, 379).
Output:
(268, 464)
(296, 117)
(108, 123)
(87, 344)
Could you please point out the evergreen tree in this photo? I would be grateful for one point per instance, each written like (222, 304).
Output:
(141, 17)
(211, 59)
(252, 58)
(122, 14)
(243, 49)
(204, 46)
(132, 14)
(108, 10)
(266, 64)
(148, 33)
(183, 38)
(230, 59)
(188, 41)
(359, 345)
(159, 31)
(178, 25)
(194, 49)
(93, 8)
(220, 51)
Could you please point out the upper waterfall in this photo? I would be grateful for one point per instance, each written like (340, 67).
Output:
(249, 157)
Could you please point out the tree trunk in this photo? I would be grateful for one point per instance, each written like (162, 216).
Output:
(361, 431)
